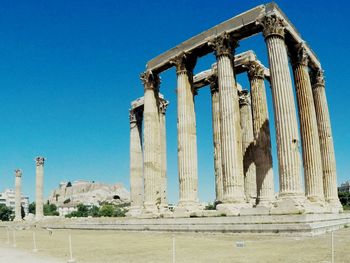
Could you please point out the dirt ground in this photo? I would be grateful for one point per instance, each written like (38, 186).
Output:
(95, 246)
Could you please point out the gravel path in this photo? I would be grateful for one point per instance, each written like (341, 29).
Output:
(14, 255)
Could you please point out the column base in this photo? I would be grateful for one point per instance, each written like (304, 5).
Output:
(17, 220)
(289, 204)
(334, 206)
(232, 209)
(187, 207)
(315, 207)
(134, 211)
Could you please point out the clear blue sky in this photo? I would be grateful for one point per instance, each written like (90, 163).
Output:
(69, 69)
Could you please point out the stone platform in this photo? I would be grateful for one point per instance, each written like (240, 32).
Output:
(298, 225)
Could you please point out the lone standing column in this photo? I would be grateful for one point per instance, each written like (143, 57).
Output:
(187, 135)
(308, 128)
(151, 157)
(289, 161)
(248, 146)
(163, 190)
(326, 143)
(261, 128)
(216, 137)
(136, 161)
(230, 130)
(39, 207)
(18, 214)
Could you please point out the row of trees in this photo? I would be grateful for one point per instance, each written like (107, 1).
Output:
(106, 209)
(49, 209)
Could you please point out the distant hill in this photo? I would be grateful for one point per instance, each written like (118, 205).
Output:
(88, 193)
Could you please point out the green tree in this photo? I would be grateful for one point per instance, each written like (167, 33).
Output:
(107, 210)
(6, 213)
(31, 208)
(50, 210)
(94, 211)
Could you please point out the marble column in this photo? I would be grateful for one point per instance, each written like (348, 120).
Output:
(289, 161)
(326, 142)
(151, 151)
(248, 146)
(308, 127)
(187, 135)
(230, 130)
(39, 202)
(163, 191)
(18, 214)
(216, 138)
(261, 129)
(136, 161)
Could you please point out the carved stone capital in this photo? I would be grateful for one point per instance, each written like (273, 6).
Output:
(224, 45)
(132, 116)
(213, 82)
(184, 63)
(300, 57)
(244, 97)
(40, 161)
(150, 80)
(18, 172)
(255, 70)
(273, 26)
(163, 106)
(317, 78)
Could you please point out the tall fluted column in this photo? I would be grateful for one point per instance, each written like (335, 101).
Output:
(289, 160)
(261, 128)
(18, 214)
(215, 105)
(136, 161)
(151, 152)
(187, 135)
(308, 127)
(163, 190)
(39, 206)
(326, 142)
(248, 146)
(230, 130)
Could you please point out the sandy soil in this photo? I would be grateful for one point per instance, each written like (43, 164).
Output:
(92, 246)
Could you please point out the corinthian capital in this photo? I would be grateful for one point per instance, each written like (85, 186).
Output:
(244, 97)
(301, 57)
(318, 78)
(18, 172)
(184, 63)
(255, 70)
(273, 26)
(163, 106)
(224, 45)
(213, 82)
(132, 116)
(150, 80)
(40, 161)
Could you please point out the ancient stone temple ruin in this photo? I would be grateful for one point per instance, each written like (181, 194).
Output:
(244, 179)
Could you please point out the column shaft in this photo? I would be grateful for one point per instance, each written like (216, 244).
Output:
(289, 161)
(39, 206)
(187, 135)
(326, 141)
(18, 214)
(248, 146)
(230, 130)
(261, 128)
(152, 176)
(308, 129)
(162, 123)
(217, 143)
(136, 160)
